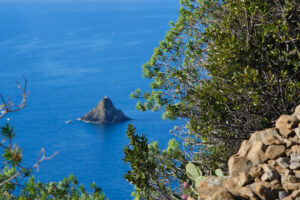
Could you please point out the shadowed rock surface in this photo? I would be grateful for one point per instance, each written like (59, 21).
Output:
(104, 112)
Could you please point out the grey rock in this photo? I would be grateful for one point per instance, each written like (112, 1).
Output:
(104, 112)
(282, 194)
(295, 165)
(268, 176)
(295, 157)
(283, 162)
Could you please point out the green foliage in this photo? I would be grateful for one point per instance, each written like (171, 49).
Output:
(66, 189)
(138, 157)
(219, 172)
(7, 188)
(193, 171)
(7, 132)
(195, 174)
(229, 68)
(153, 169)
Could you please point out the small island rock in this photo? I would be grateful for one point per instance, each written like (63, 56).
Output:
(104, 112)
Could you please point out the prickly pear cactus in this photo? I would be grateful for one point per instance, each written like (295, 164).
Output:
(193, 171)
(195, 174)
(219, 172)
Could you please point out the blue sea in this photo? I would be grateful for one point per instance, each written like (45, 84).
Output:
(73, 54)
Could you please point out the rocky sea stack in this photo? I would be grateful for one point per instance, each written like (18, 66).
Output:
(104, 112)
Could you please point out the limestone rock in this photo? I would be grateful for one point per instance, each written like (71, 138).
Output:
(237, 164)
(282, 194)
(283, 162)
(295, 165)
(274, 151)
(244, 148)
(266, 167)
(296, 173)
(270, 136)
(210, 186)
(295, 139)
(283, 124)
(236, 188)
(257, 153)
(297, 112)
(295, 157)
(287, 142)
(222, 195)
(297, 131)
(289, 182)
(295, 194)
(263, 190)
(256, 171)
(295, 149)
(104, 112)
(270, 174)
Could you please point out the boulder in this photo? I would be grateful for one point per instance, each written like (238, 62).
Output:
(285, 123)
(263, 190)
(267, 166)
(237, 164)
(275, 151)
(222, 195)
(104, 112)
(257, 153)
(283, 162)
(210, 186)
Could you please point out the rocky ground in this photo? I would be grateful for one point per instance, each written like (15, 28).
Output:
(267, 166)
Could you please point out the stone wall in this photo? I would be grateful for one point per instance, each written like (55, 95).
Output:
(267, 166)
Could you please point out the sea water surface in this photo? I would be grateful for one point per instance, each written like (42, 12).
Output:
(73, 54)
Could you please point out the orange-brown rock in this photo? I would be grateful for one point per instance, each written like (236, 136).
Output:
(235, 187)
(210, 185)
(274, 151)
(222, 195)
(266, 167)
(283, 124)
(263, 191)
(290, 182)
(257, 153)
(237, 164)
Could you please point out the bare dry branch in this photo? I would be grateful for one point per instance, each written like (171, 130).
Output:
(9, 106)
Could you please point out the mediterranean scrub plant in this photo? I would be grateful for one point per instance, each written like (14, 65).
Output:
(227, 68)
(155, 173)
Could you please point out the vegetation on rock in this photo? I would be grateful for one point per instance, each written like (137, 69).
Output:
(227, 68)
(265, 167)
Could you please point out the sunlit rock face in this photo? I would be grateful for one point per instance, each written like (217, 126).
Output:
(267, 166)
(104, 112)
